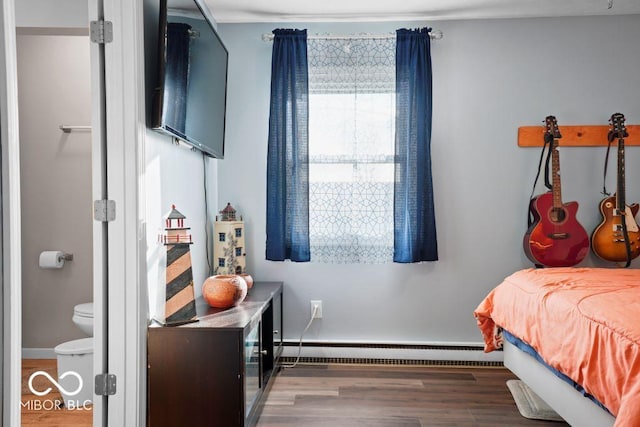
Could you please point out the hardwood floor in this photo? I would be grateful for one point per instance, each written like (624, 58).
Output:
(350, 396)
(42, 411)
(390, 396)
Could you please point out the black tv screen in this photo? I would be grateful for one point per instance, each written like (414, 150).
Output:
(190, 101)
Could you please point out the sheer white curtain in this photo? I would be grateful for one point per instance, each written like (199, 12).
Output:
(351, 149)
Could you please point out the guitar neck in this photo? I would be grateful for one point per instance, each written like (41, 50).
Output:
(620, 190)
(555, 178)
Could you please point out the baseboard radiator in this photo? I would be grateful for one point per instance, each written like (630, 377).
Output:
(364, 354)
(390, 354)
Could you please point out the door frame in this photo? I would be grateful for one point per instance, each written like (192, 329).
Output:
(120, 291)
(11, 224)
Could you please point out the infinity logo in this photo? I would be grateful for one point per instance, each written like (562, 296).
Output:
(54, 382)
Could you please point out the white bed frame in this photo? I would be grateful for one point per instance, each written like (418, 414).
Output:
(576, 409)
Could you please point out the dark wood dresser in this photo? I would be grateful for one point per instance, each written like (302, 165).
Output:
(215, 372)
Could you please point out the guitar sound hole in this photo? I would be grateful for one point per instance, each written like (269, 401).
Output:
(557, 215)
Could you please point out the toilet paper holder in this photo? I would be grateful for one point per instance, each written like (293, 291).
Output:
(66, 257)
(54, 259)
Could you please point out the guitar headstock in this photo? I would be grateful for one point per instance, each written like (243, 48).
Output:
(617, 128)
(552, 131)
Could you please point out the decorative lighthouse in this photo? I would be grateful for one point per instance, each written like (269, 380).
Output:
(228, 243)
(179, 301)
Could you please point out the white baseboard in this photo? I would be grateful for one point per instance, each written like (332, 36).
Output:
(438, 352)
(38, 353)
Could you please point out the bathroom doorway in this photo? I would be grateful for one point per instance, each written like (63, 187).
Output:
(54, 103)
(54, 90)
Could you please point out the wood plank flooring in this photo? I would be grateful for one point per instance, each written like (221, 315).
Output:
(390, 396)
(353, 396)
(45, 414)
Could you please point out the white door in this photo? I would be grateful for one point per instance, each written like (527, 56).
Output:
(119, 293)
(100, 228)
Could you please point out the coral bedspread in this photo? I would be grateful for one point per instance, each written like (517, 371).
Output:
(584, 322)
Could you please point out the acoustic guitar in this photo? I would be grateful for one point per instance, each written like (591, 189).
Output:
(555, 237)
(617, 237)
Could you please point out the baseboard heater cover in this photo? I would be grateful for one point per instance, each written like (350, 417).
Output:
(390, 354)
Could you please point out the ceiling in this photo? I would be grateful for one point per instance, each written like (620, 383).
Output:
(403, 10)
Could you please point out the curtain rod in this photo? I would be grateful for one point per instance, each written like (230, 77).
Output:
(434, 35)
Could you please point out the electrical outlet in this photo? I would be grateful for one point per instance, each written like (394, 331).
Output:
(318, 304)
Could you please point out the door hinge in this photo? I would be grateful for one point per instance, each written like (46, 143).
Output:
(101, 31)
(104, 210)
(105, 384)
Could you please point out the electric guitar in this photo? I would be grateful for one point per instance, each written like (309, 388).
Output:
(617, 238)
(555, 237)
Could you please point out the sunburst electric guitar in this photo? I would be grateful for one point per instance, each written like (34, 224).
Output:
(555, 237)
(617, 237)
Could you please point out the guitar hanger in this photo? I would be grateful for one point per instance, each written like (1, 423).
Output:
(576, 136)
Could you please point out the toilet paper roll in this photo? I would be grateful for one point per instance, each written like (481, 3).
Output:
(52, 259)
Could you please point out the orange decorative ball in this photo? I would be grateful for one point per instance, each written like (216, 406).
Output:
(247, 278)
(224, 291)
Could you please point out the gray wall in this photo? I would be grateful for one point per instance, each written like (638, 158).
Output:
(173, 175)
(490, 77)
(52, 14)
(54, 89)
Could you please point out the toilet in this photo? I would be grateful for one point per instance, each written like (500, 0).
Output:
(83, 317)
(75, 362)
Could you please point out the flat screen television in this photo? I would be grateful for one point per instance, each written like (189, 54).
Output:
(190, 100)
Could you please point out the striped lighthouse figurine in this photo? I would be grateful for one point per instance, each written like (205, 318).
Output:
(179, 301)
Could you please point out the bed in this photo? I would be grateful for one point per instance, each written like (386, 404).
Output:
(571, 332)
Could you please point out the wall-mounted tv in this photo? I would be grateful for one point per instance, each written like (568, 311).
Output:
(190, 100)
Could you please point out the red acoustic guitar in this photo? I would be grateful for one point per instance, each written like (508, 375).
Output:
(555, 238)
(617, 238)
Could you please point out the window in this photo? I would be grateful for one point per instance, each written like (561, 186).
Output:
(351, 149)
(221, 237)
(238, 232)
(336, 193)
(238, 251)
(221, 262)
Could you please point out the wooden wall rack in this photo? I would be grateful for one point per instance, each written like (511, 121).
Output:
(575, 136)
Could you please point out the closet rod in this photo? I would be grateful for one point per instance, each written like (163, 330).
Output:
(68, 128)
(434, 35)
